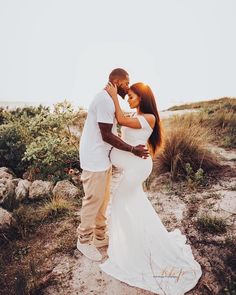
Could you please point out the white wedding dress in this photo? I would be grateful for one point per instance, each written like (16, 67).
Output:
(141, 251)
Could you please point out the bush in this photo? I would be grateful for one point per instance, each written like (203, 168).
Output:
(12, 149)
(194, 179)
(2, 116)
(80, 118)
(52, 148)
(40, 140)
(51, 157)
(28, 112)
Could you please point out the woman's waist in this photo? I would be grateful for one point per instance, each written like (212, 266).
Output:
(134, 141)
(117, 155)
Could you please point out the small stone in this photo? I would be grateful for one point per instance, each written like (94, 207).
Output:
(66, 189)
(22, 190)
(40, 189)
(6, 220)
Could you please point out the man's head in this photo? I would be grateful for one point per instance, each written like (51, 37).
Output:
(120, 78)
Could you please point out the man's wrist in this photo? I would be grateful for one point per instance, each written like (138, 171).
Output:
(132, 148)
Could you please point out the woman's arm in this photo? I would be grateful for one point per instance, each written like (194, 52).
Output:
(121, 119)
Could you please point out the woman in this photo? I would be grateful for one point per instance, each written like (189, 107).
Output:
(141, 251)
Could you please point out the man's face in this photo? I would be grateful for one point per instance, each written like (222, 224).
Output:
(123, 86)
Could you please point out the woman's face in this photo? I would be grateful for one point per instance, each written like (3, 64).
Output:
(133, 100)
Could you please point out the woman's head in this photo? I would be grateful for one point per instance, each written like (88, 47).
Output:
(141, 97)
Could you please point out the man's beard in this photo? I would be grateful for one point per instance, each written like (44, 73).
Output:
(121, 92)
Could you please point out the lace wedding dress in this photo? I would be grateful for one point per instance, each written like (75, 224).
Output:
(141, 251)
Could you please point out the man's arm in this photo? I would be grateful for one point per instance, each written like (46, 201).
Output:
(118, 143)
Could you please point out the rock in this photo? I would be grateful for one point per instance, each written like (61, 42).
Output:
(66, 189)
(28, 175)
(7, 194)
(40, 189)
(6, 220)
(228, 202)
(22, 190)
(16, 181)
(4, 173)
(76, 180)
(8, 170)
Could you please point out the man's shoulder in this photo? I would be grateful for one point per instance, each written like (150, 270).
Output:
(103, 97)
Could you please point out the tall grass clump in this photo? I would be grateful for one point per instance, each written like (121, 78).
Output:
(57, 206)
(185, 145)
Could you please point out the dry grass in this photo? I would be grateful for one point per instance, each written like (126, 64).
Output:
(56, 206)
(212, 224)
(224, 102)
(30, 216)
(223, 119)
(185, 142)
(217, 115)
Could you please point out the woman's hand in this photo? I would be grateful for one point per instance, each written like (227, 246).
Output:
(111, 90)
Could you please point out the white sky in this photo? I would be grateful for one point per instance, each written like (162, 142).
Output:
(64, 49)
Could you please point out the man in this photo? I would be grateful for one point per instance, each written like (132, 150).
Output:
(98, 136)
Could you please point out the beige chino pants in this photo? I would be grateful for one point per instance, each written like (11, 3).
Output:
(96, 187)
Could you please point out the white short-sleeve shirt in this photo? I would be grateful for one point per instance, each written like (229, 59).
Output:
(94, 150)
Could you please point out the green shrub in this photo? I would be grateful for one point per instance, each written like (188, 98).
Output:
(51, 147)
(28, 112)
(51, 157)
(12, 148)
(39, 140)
(2, 116)
(194, 178)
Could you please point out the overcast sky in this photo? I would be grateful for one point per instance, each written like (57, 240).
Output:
(65, 49)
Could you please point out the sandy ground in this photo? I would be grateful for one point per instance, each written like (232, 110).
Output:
(78, 275)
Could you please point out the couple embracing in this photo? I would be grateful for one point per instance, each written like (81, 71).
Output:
(141, 252)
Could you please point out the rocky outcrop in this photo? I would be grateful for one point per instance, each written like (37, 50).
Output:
(66, 189)
(6, 220)
(16, 181)
(6, 173)
(40, 189)
(7, 194)
(22, 190)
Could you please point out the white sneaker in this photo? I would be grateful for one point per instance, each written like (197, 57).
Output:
(89, 250)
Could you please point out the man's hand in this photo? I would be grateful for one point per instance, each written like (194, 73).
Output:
(140, 151)
(107, 135)
(111, 90)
